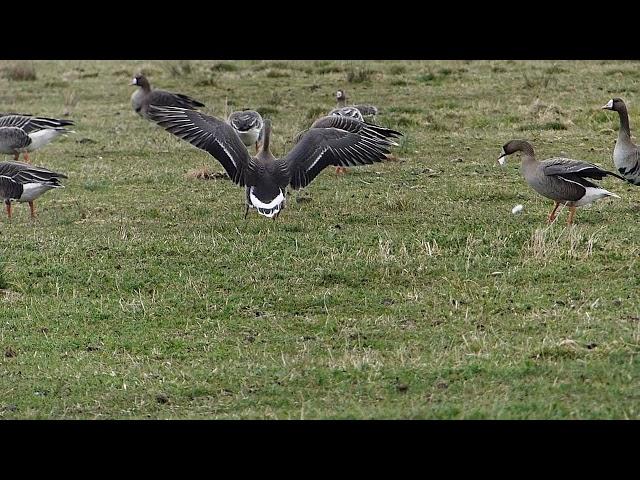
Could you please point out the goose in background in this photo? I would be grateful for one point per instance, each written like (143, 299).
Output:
(365, 110)
(248, 125)
(25, 183)
(145, 96)
(563, 180)
(626, 155)
(25, 133)
(331, 140)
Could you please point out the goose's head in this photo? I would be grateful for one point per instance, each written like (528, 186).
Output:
(340, 95)
(512, 147)
(614, 104)
(140, 80)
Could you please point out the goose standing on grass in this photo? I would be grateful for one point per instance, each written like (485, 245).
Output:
(561, 179)
(25, 133)
(25, 183)
(145, 96)
(626, 155)
(248, 125)
(365, 110)
(331, 140)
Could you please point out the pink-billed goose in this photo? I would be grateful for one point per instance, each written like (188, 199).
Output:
(331, 140)
(626, 154)
(26, 133)
(25, 183)
(561, 179)
(145, 96)
(248, 125)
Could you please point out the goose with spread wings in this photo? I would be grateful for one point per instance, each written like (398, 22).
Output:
(25, 183)
(25, 133)
(331, 140)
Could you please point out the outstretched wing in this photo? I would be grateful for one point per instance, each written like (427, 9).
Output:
(208, 133)
(565, 166)
(169, 99)
(337, 140)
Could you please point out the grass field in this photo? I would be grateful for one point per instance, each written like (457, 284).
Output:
(405, 289)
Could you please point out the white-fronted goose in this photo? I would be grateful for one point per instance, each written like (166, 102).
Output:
(25, 133)
(24, 183)
(626, 154)
(248, 125)
(365, 110)
(561, 179)
(331, 140)
(145, 96)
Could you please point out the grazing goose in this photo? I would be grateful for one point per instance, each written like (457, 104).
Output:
(331, 140)
(145, 96)
(561, 179)
(626, 154)
(248, 125)
(25, 133)
(365, 110)
(24, 182)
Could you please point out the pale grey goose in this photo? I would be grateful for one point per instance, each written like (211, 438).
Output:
(145, 96)
(25, 183)
(26, 133)
(626, 154)
(561, 179)
(331, 140)
(248, 125)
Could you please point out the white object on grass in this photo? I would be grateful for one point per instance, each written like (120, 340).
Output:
(517, 209)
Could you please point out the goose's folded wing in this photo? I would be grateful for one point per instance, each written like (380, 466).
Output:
(567, 166)
(32, 124)
(340, 141)
(9, 188)
(207, 133)
(26, 173)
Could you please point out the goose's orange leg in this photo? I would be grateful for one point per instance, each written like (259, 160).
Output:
(16, 156)
(33, 209)
(572, 213)
(26, 157)
(8, 207)
(552, 215)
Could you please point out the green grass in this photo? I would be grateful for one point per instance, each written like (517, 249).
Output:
(405, 289)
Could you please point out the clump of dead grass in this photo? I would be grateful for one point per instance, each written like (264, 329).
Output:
(20, 71)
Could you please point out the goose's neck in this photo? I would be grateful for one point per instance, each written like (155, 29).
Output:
(624, 122)
(266, 137)
(342, 102)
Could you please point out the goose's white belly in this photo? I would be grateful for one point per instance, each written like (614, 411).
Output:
(250, 137)
(32, 191)
(42, 137)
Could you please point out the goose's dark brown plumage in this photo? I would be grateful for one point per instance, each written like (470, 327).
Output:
(331, 140)
(145, 96)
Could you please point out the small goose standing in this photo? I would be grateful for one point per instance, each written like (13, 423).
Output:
(145, 96)
(365, 110)
(25, 183)
(561, 179)
(626, 154)
(248, 125)
(331, 140)
(25, 133)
